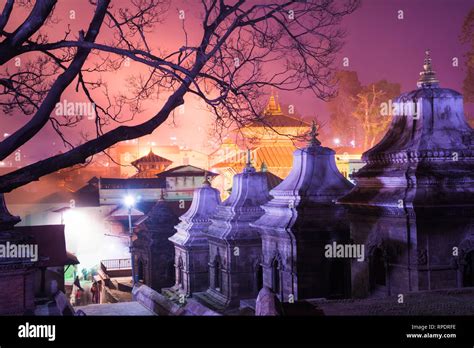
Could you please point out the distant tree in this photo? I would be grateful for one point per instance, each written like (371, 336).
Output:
(368, 109)
(467, 37)
(240, 48)
(342, 121)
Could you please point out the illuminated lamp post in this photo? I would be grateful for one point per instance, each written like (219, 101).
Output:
(129, 203)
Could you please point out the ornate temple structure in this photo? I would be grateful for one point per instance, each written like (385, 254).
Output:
(300, 220)
(191, 248)
(271, 139)
(150, 165)
(153, 252)
(413, 204)
(235, 246)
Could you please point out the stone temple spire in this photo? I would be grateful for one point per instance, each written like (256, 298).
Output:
(235, 247)
(300, 219)
(413, 163)
(428, 75)
(191, 247)
(313, 140)
(249, 168)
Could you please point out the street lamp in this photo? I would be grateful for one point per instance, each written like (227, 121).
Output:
(129, 203)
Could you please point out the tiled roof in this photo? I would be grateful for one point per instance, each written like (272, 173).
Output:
(272, 156)
(275, 156)
(185, 170)
(278, 121)
(151, 158)
(51, 244)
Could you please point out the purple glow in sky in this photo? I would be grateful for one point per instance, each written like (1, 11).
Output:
(378, 45)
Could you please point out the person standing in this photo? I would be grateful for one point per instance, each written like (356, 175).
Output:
(76, 288)
(95, 293)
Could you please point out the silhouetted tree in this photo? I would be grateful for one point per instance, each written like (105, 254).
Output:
(369, 106)
(243, 47)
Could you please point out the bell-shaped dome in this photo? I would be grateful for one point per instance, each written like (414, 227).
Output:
(429, 123)
(232, 217)
(427, 151)
(190, 231)
(308, 193)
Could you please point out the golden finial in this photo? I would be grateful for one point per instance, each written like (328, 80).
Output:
(273, 106)
(428, 75)
(313, 141)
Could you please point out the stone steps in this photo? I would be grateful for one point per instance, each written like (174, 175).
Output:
(209, 301)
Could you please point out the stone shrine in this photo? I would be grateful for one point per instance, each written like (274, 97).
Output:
(413, 204)
(191, 247)
(153, 252)
(300, 220)
(235, 246)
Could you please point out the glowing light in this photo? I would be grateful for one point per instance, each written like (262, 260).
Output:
(6, 135)
(2, 163)
(129, 201)
(353, 143)
(88, 241)
(337, 141)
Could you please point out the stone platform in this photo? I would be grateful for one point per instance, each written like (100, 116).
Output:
(439, 302)
(113, 309)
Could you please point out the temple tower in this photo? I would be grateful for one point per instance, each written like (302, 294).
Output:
(150, 165)
(413, 204)
(191, 247)
(300, 220)
(153, 252)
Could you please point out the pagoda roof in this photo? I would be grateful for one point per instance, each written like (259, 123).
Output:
(273, 116)
(272, 120)
(273, 157)
(185, 170)
(151, 158)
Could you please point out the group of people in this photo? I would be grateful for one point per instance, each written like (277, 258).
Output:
(78, 293)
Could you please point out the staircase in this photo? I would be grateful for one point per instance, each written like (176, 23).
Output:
(211, 299)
